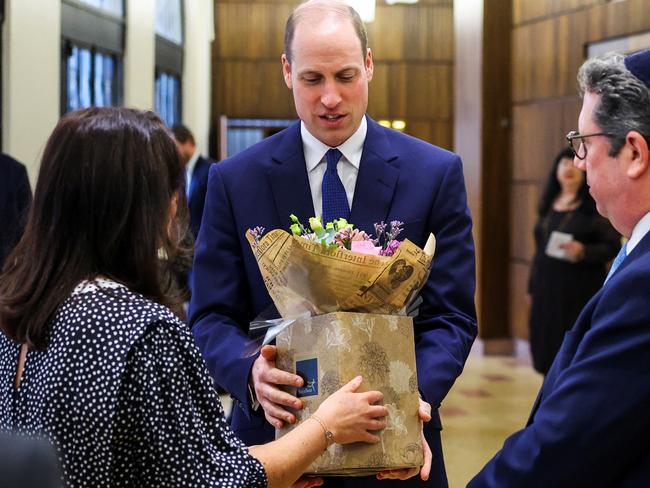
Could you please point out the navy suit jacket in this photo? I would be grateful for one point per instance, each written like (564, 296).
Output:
(590, 425)
(15, 198)
(198, 189)
(400, 178)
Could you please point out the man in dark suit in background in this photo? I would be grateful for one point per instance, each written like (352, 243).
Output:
(335, 162)
(590, 425)
(196, 171)
(15, 198)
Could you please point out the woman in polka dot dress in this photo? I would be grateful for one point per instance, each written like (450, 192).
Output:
(92, 356)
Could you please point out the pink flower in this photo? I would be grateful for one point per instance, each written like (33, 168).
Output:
(365, 247)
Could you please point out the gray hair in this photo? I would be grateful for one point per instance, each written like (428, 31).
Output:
(624, 99)
(317, 9)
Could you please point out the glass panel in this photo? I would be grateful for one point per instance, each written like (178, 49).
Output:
(240, 139)
(169, 20)
(73, 79)
(115, 7)
(84, 78)
(168, 98)
(98, 93)
(107, 82)
(92, 78)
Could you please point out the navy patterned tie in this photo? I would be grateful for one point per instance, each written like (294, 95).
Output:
(617, 261)
(335, 200)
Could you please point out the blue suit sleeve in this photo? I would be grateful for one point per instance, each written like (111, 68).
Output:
(446, 326)
(220, 299)
(591, 427)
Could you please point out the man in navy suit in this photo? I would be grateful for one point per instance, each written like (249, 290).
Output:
(196, 174)
(15, 198)
(381, 175)
(590, 425)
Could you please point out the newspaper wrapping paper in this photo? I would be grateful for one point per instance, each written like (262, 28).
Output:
(303, 276)
(328, 351)
(375, 339)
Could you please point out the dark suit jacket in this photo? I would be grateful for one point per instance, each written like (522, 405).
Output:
(590, 425)
(198, 189)
(27, 463)
(400, 178)
(15, 198)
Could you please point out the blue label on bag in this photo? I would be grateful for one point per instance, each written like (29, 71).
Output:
(307, 369)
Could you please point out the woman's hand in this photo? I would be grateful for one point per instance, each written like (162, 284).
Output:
(349, 415)
(574, 250)
(403, 474)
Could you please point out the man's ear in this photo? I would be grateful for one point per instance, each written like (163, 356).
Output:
(370, 68)
(638, 153)
(286, 72)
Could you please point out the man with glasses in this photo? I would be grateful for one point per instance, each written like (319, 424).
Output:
(590, 425)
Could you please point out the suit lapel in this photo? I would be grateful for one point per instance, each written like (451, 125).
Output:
(376, 181)
(288, 179)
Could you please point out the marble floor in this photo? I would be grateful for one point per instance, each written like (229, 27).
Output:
(488, 402)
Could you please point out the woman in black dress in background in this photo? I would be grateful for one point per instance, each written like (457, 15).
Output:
(566, 274)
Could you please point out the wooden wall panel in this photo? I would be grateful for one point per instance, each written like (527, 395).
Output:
(412, 47)
(538, 134)
(253, 90)
(522, 220)
(528, 10)
(519, 273)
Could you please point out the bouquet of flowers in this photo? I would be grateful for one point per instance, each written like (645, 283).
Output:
(339, 233)
(335, 267)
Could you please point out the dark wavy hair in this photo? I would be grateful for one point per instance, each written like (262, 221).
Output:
(101, 208)
(552, 188)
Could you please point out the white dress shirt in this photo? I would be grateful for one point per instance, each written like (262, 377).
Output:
(347, 168)
(640, 230)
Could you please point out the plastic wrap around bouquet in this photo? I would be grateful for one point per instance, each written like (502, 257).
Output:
(343, 298)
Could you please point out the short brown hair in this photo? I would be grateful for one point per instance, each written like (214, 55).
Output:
(324, 7)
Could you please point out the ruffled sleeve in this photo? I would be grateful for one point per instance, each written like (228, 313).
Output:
(171, 429)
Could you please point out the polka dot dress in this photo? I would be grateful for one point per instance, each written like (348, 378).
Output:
(125, 397)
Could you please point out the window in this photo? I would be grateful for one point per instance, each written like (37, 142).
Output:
(92, 78)
(169, 60)
(168, 98)
(235, 135)
(93, 43)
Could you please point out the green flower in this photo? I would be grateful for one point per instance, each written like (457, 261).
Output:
(294, 219)
(316, 225)
(295, 229)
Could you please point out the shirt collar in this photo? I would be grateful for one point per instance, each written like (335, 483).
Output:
(640, 230)
(189, 168)
(351, 149)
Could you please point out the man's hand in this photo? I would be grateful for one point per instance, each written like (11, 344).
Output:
(403, 474)
(264, 380)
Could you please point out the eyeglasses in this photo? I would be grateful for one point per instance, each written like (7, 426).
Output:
(576, 142)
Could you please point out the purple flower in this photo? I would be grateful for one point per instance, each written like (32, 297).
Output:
(390, 249)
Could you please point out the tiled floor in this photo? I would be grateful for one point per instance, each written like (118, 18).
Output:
(490, 400)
